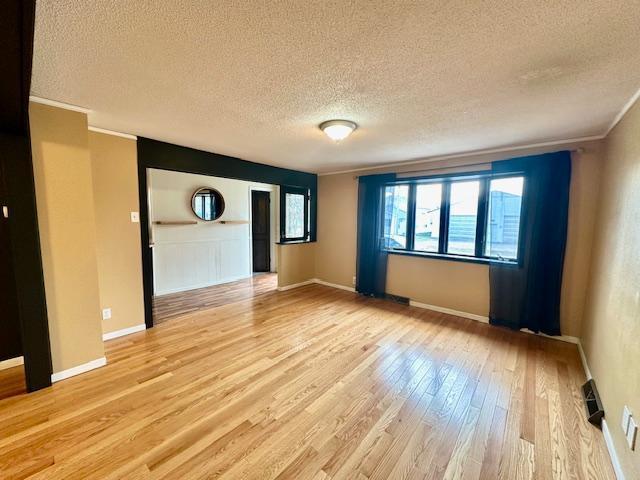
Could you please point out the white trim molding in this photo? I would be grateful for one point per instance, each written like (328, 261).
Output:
(112, 132)
(450, 311)
(11, 362)
(583, 358)
(472, 153)
(334, 285)
(627, 106)
(55, 103)
(317, 281)
(85, 367)
(608, 440)
(123, 332)
(295, 285)
(562, 338)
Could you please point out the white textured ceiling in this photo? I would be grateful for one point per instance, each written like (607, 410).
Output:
(253, 79)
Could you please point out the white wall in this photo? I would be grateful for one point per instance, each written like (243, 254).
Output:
(208, 253)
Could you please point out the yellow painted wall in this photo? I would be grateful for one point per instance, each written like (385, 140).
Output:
(449, 284)
(611, 330)
(115, 191)
(64, 196)
(296, 263)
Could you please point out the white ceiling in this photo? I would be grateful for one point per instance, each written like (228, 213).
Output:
(253, 79)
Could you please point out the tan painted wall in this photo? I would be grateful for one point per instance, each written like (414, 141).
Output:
(422, 280)
(296, 263)
(115, 191)
(611, 331)
(455, 285)
(64, 197)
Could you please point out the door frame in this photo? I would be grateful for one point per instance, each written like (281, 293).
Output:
(273, 222)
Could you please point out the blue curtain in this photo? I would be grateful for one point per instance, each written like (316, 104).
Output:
(527, 295)
(371, 262)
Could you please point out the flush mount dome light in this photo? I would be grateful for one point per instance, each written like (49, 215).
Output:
(338, 129)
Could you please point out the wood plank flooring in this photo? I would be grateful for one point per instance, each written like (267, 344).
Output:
(12, 382)
(312, 383)
(178, 304)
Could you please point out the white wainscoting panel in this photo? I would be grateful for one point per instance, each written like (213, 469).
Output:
(185, 265)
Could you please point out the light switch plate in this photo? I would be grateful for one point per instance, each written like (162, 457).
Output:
(632, 433)
(626, 415)
(106, 313)
(135, 217)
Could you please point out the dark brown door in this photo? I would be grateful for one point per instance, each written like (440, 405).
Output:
(10, 344)
(260, 220)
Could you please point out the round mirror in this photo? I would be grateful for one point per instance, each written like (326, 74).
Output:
(207, 203)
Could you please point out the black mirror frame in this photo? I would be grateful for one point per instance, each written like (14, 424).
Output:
(193, 198)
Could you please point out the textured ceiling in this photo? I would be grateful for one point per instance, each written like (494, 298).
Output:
(253, 79)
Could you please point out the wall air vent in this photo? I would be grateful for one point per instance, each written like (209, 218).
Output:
(592, 402)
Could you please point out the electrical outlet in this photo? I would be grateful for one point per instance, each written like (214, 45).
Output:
(135, 217)
(626, 416)
(353, 280)
(632, 433)
(106, 314)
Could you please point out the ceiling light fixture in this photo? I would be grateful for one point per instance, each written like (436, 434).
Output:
(338, 130)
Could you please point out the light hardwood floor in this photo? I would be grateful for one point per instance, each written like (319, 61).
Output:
(174, 305)
(12, 382)
(312, 383)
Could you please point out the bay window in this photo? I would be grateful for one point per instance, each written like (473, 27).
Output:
(473, 217)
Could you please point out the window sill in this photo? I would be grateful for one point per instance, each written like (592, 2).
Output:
(295, 242)
(454, 258)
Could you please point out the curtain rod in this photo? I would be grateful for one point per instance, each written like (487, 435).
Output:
(482, 164)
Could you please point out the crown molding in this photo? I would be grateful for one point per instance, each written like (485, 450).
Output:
(627, 106)
(112, 132)
(55, 103)
(472, 153)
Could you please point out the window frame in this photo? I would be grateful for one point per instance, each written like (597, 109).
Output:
(284, 190)
(482, 218)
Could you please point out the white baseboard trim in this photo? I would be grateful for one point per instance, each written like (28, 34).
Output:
(617, 468)
(12, 362)
(450, 311)
(295, 285)
(198, 286)
(123, 332)
(435, 308)
(613, 455)
(583, 358)
(562, 338)
(333, 285)
(85, 367)
(319, 282)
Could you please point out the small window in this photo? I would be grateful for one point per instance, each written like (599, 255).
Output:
(395, 216)
(463, 218)
(294, 217)
(427, 227)
(503, 219)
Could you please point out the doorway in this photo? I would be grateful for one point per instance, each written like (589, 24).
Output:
(200, 261)
(260, 230)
